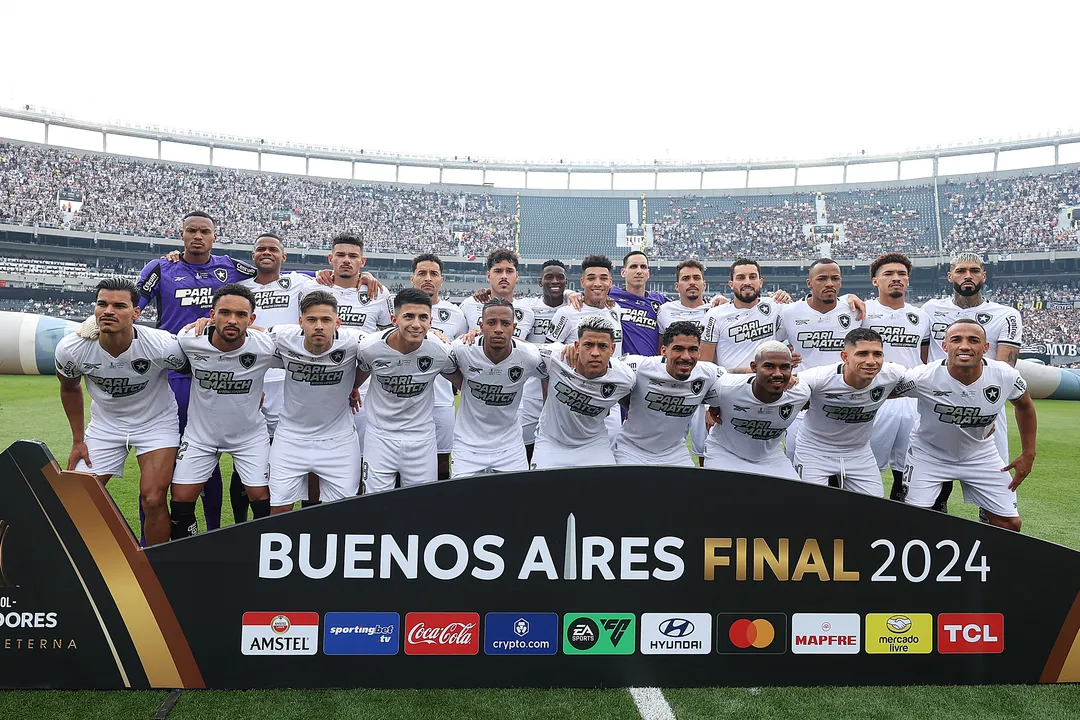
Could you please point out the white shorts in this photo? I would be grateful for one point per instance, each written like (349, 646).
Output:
(892, 431)
(858, 472)
(547, 455)
(195, 462)
(698, 432)
(981, 477)
(469, 461)
(413, 457)
(108, 449)
(444, 428)
(273, 401)
(792, 436)
(335, 460)
(717, 458)
(629, 454)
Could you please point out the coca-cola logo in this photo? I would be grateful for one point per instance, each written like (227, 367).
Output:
(442, 633)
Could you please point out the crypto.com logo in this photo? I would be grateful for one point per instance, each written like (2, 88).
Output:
(4, 581)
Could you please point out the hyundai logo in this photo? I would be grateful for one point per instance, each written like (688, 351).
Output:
(676, 627)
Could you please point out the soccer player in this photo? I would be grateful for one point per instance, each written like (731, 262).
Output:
(691, 306)
(502, 276)
(132, 406)
(754, 412)
(448, 319)
(227, 367)
(734, 330)
(552, 297)
(904, 328)
(834, 440)
(580, 397)
(815, 327)
(960, 399)
(492, 374)
(596, 272)
(403, 363)
(316, 433)
(668, 394)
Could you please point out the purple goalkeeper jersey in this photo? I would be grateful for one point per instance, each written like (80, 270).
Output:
(182, 292)
(640, 333)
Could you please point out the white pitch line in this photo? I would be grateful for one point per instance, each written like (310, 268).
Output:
(651, 704)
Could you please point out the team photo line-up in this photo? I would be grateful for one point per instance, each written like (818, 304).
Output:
(322, 388)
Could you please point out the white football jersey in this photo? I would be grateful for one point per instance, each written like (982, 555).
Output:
(542, 316)
(565, 321)
(278, 302)
(1002, 324)
(487, 418)
(317, 387)
(675, 311)
(523, 315)
(749, 428)
(400, 397)
(904, 331)
(447, 318)
(955, 420)
(841, 418)
(131, 391)
(576, 408)
(357, 310)
(818, 337)
(661, 407)
(226, 388)
(738, 331)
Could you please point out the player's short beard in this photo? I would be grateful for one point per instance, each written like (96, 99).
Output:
(964, 292)
(752, 298)
(894, 294)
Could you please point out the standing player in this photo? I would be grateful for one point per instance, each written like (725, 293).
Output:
(834, 440)
(754, 412)
(227, 367)
(132, 407)
(815, 327)
(448, 319)
(690, 284)
(579, 397)
(403, 364)
(960, 399)
(552, 297)
(316, 434)
(502, 276)
(904, 328)
(734, 330)
(596, 271)
(492, 373)
(668, 394)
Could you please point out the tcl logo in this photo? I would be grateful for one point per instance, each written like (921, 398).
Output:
(440, 633)
(971, 633)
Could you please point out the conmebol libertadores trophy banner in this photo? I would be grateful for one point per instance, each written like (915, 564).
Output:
(629, 576)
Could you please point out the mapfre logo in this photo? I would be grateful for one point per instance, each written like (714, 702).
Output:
(970, 633)
(442, 633)
(5, 581)
(826, 633)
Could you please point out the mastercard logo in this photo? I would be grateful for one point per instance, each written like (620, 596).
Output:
(746, 633)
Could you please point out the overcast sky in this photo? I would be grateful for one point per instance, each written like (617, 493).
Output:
(551, 80)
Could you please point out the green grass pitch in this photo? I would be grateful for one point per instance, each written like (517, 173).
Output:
(1050, 503)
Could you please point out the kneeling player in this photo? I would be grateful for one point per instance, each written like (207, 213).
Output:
(572, 430)
(959, 401)
(125, 369)
(315, 433)
(491, 374)
(668, 391)
(834, 440)
(228, 364)
(754, 412)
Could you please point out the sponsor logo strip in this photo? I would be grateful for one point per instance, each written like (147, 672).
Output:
(891, 633)
(826, 633)
(676, 633)
(280, 633)
(751, 633)
(442, 633)
(599, 633)
(361, 633)
(521, 633)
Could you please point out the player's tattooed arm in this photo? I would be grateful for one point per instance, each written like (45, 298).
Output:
(1008, 353)
(71, 397)
(1027, 423)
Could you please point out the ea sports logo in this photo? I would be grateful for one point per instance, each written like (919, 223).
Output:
(752, 633)
(582, 634)
(280, 624)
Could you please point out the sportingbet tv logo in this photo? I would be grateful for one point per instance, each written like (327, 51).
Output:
(599, 633)
(4, 581)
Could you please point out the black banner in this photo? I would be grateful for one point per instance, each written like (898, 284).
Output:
(629, 576)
